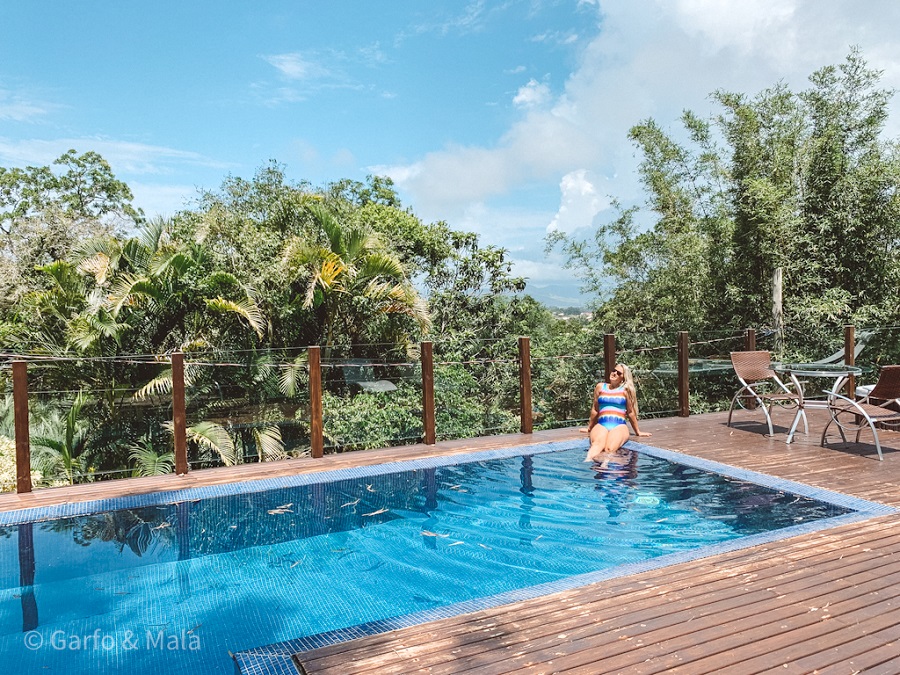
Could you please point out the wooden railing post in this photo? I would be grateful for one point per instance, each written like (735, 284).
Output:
(525, 420)
(23, 439)
(316, 431)
(179, 414)
(684, 399)
(428, 424)
(750, 340)
(850, 357)
(609, 354)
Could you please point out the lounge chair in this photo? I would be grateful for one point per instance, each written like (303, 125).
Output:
(761, 385)
(862, 337)
(870, 411)
(359, 374)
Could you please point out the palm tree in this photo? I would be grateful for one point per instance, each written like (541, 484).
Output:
(61, 443)
(350, 275)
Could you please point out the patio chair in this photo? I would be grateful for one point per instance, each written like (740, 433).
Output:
(869, 411)
(762, 386)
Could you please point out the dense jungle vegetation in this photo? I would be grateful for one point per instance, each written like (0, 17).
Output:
(260, 268)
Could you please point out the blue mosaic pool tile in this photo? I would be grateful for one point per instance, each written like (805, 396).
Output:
(71, 509)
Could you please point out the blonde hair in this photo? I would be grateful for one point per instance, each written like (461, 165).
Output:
(630, 389)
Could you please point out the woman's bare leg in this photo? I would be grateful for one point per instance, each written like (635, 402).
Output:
(616, 438)
(598, 442)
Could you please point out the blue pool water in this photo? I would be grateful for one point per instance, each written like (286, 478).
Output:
(173, 588)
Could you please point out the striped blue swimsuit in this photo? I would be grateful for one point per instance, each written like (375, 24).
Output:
(612, 405)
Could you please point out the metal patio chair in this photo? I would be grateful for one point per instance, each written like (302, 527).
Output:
(762, 386)
(869, 411)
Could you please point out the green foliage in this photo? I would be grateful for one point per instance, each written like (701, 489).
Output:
(148, 461)
(373, 419)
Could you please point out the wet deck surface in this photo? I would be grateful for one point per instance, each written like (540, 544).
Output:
(826, 602)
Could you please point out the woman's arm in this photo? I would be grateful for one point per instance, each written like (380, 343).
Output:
(595, 411)
(632, 417)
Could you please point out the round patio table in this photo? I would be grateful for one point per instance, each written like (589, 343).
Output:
(837, 372)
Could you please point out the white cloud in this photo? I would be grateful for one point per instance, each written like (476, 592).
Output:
(740, 25)
(296, 66)
(579, 203)
(123, 156)
(556, 37)
(532, 95)
(16, 107)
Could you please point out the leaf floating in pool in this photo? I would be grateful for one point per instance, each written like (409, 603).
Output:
(457, 543)
(375, 513)
(487, 547)
(279, 511)
(353, 503)
(370, 488)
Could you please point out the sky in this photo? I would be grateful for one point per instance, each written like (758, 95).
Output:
(503, 117)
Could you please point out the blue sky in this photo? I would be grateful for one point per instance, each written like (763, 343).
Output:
(504, 117)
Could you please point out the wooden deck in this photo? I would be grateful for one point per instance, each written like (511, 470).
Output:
(827, 602)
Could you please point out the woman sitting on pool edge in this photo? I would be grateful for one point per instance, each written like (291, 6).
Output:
(614, 403)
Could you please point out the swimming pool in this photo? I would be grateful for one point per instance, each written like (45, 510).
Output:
(173, 582)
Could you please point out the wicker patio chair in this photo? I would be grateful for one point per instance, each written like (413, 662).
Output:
(870, 411)
(762, 386)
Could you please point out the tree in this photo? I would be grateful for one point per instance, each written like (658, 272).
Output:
(45, 213)
(349, 276)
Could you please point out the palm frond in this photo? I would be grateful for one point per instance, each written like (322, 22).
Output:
(162, 383)
(138, 255)
(158, 386)
(290, 379)
(128, 288)
(246, 308)
(213, 437)
(358, 241)
(86, 330)
(175, 261)
(330, 226)
(269, 444)
(149, 462)
(381, 264)
(65, 275)
(99, 257)
(151, 233)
